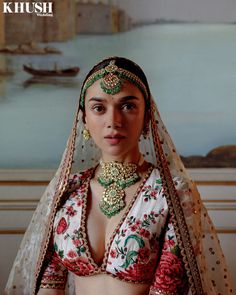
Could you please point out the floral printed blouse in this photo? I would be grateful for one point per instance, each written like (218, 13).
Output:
(142, 249)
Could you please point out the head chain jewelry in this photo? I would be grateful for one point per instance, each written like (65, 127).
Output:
(112, 79)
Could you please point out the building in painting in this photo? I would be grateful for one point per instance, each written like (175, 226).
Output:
(69, 17)
(124, 21)
(96, 18)
(60, 27)
(29, 27)
(20, 28)
(100, 17)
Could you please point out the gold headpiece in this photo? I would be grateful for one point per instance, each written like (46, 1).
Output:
(112, 78)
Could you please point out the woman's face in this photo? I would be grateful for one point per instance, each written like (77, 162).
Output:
(115, 121)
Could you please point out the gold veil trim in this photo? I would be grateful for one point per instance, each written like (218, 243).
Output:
(177, 216)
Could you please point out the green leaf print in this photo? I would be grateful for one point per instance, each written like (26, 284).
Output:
(136, 238)
(82, 249)
(129, 259)
(117, 242)
(158, 185)
(55, 247)
(158, 181)
(61, 253)
(145, 223)
(176, 250)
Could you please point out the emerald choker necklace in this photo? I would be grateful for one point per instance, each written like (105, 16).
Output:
(115, 177)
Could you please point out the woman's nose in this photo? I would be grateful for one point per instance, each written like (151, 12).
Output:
(114, 119)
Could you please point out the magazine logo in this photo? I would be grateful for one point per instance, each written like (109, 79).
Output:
(40, 8)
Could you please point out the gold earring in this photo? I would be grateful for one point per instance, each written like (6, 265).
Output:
(86, 134)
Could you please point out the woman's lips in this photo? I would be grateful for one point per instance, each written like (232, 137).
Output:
(114, 139)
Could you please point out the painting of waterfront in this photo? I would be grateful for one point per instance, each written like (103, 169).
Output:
(191, 69)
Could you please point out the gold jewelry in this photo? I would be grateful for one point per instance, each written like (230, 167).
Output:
(86, 134)
(112, 79)
(115, 177)
(111, 82)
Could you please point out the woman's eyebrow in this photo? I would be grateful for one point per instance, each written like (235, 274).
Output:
(122, 99)
(128, 98)
(98, 99)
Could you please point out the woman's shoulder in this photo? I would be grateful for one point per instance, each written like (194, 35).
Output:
(179, 181)
(78, 178)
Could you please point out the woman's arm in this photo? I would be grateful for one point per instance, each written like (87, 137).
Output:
(54, 278)
(170, 277)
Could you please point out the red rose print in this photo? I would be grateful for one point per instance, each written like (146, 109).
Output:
(143, 254)
(80, 203)
(76, 242)
(169, 273)
(72, 254)
(168, 244)
(113, 253)
(138, 271)
(79, 265)
(144, 233)
(153, 194)
(55, 263)
(133, 227)
(138, 222)
(62, 226)
(70, 211)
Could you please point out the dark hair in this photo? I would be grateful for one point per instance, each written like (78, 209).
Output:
(126, 64)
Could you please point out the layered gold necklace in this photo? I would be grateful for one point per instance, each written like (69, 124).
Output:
(115, 177)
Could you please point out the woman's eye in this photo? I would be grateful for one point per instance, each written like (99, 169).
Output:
(98, 108)
(128, 106)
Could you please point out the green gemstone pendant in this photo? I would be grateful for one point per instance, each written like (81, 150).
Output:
(115, 177)
(112, 200)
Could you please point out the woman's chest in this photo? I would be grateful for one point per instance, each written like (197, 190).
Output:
(79, 230)
(100, 227)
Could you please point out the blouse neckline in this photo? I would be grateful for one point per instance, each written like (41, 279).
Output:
(102, 268)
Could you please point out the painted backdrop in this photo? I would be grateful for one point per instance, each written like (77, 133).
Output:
(191, 70)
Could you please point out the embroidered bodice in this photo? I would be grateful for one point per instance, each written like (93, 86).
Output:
(142, 236)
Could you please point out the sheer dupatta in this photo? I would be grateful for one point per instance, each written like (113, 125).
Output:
(202, 256)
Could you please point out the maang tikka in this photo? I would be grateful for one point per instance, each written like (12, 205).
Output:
(111, 83)
(112, 78)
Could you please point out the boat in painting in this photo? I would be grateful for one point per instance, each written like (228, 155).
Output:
(57, 72)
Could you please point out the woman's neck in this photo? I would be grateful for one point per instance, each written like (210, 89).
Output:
(132, 157)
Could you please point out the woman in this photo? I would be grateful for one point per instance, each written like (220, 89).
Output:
(131, 221)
